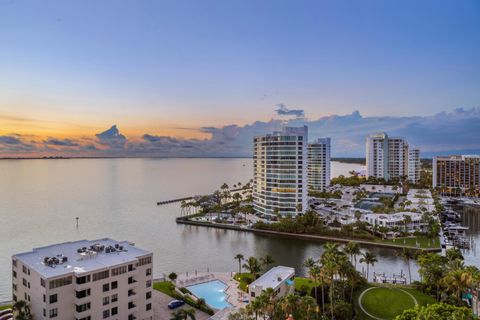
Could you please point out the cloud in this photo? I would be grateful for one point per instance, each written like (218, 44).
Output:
(62, 143)
(112, 138)
(10, 140)
(443, 133)
(282, 110)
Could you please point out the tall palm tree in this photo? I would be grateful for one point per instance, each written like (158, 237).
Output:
(352, 249)
(240, 258)
(253, 266)
(369, 259)
(267, 260)
(407, 255)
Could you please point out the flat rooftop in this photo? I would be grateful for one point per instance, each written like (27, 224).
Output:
(273, 277)
(80, 262)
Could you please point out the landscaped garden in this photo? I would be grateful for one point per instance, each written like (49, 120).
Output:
(387, 302)
(5, 307)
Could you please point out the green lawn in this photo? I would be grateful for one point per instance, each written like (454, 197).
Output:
(304, 282)
(244, 280)
(388, 302)
(165, 287)
(424, 242)
(5, 307)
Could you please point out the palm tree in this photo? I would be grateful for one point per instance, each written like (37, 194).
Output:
(457, 281)
(183, 314)
(407, 255)
(22, 310)
(240, 258)
(352, 249)
(267, 260)
(369, 259)
(253, 266)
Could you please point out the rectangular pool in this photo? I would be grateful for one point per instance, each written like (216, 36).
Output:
(213, 292)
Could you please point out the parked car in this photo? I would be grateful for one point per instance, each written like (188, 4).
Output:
(175, 304)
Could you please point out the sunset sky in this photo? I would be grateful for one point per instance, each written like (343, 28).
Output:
(72, 69)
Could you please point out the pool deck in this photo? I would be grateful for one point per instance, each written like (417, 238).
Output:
(235, 296)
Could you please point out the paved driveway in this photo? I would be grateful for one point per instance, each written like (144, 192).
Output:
(161, 311)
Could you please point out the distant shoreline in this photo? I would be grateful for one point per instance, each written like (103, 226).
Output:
(342, 160)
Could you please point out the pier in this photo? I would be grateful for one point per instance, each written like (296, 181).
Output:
(159, 203)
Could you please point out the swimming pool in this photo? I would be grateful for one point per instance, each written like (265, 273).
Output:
(213, 292)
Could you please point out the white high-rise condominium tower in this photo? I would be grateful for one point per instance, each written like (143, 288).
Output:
(391, 157)
(85, 280)
(319, 164)
(280, 172)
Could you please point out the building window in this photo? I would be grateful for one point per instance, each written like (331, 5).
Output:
(149, 283)
(106, 300)
(148, 272)
(106, 287)
(53, 298)
(119, 270)
(14, 262)
(144, 261)
(60, 282)
(24, 282)
(106, 314)
(24, 269)
(114, 298)
(84, 279)
(148, 307)
(114, 285)
(114, 311)
(100, 275)
(42, 282)
(148, 295)
(14, 273)
(83, 307)
(52, 313)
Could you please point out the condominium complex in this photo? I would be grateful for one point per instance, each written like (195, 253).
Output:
(391, 157)
(457, 175)
(319, 164)
(85, 280)
(280, 172)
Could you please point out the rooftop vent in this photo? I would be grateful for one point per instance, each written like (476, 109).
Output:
(54, 261)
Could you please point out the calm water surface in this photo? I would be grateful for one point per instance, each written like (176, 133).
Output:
(39, 200)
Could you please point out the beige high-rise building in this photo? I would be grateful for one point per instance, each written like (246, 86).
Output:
(280, 172)
(457, 175)
(319, 164)
(391, 157)
(85, 280)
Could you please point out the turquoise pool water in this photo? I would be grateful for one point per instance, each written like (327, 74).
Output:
(213, 292)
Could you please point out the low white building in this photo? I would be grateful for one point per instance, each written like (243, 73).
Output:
(280, 279)
(381, 188)
(395, 220)
(420, 200)
(85, 280)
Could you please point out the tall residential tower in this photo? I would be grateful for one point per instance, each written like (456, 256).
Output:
(280, 172)
(391, 158)
(319, 164)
